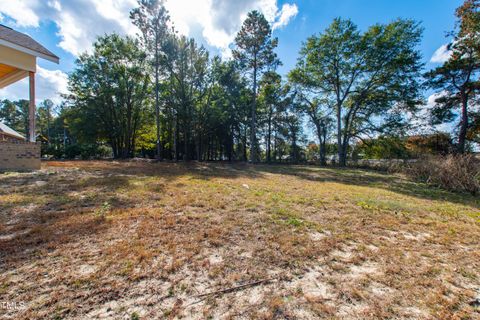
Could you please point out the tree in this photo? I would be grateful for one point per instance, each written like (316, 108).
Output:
(368, 79)
(254, 52)
(383, 147)
(44, 118)
(294, 130)
(188, 86)
(317, 110)
(438, 144)
(457, 80)
(230, 98)
(109, 90)
(270, 96)
(15, 115)
(152, 19)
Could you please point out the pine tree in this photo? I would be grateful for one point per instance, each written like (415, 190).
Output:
(254, 52)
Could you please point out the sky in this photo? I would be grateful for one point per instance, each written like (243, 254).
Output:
(69, 27)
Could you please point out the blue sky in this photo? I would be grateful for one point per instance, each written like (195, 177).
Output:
(68, 27)
(436, 16)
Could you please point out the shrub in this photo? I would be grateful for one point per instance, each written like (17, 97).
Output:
(94, 151)
(104, 152)
(72, 151)
(88, 151)
(55, 151)
(452, 172)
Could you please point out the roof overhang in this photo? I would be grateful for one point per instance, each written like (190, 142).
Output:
(7, 131)
(10, 77)
(31, 52)
(18, 137)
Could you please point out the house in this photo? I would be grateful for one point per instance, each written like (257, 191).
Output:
(18, 60)
(7, 134)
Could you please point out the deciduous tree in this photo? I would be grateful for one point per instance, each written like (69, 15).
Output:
(368, 79)
(109, 90)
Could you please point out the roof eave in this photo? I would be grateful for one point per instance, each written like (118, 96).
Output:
(17, 136)
(35, 53)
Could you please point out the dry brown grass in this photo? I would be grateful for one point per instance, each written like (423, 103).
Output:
(452, 172)
(120, 240)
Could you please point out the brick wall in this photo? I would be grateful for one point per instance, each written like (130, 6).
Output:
(19, 156)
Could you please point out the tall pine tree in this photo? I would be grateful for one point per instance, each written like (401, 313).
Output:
(254, 53)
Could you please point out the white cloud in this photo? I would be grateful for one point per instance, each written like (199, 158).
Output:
(49, 84)
(21, 11)
(441, 55)
(80, 21)
(288, 12)
(218, 21)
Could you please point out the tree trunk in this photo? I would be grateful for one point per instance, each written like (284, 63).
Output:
(185, 134)
(269, 138)
(245, 145)
(321, 144)
(199, 145)
(341, 156)
(275, 140)
(157, 103)
(253, 150)
(175, 139)
(344, 149)
(463, 124)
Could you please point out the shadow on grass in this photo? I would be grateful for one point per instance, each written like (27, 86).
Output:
(375, 179)
(60, 216)
(348, 176)
(52, 214)
(65, 205)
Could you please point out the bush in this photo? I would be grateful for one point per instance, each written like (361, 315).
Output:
(72, 151)
(452, 172)
(94, 151)
(104, 152)
(52, 150)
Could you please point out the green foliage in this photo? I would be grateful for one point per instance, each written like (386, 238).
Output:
(433, 144)
(73, 151)
(349, 84)
(366, 79)
(278, 118)
(254, 52)
(15, 115)
(384, 147)
(457, 80)
(103, 210)
(109, 93)
(152, 19)
(393, 147)
(134, 316)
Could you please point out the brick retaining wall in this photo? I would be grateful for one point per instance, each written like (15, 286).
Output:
(19, 156)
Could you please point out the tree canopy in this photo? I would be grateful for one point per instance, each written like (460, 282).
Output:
(161, 94)
(368, 79)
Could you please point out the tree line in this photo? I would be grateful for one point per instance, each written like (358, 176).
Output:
(162, 95)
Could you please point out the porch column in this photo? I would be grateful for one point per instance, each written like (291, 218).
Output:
(31, 108)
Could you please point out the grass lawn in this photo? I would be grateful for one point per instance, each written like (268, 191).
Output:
(135, 240)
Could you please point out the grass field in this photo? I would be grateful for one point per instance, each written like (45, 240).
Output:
(135, 240)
